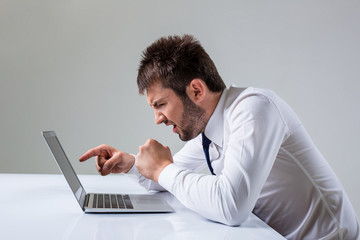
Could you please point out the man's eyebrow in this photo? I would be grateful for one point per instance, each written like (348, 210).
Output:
(156, 102)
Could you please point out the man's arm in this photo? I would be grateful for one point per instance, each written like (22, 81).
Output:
(110, 160)
(256, 131)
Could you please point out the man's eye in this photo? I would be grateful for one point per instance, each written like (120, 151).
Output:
(158, 105)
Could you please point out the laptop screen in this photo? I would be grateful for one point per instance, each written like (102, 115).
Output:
(64, 164)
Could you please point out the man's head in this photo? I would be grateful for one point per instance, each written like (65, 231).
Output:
(181, 83)
(175, 61)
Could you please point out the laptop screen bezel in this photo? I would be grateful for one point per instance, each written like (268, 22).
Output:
(61, 161)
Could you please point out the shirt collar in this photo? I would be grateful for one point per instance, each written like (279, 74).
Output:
(214, 128)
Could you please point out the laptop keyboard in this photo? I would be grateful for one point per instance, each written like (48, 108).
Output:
(112, 201)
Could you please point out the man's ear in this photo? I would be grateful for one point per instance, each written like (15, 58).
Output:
(196, 90)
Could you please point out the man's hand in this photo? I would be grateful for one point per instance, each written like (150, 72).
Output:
(152, 158)
(109, 160)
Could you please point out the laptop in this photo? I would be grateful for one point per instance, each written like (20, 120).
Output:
(102, 202)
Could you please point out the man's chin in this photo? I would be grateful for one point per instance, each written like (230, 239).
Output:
(182, 137)
(185, 138)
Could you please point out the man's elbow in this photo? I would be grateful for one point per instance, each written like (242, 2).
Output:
(234, 221)
(234, 217)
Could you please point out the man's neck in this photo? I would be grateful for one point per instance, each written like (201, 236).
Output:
(211, 103)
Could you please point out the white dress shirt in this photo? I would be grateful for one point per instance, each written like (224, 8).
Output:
(265, 163)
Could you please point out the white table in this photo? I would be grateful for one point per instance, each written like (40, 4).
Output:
(43, 207)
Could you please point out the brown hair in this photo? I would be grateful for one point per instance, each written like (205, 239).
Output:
(175, 61)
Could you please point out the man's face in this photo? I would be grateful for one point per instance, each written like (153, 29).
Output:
(186, 118)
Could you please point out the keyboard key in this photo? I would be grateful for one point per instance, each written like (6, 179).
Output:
(113, 201)
(100, 201)
(95, 201)
(127, 202)
(120, 201)
(87, 198)
(107, 201)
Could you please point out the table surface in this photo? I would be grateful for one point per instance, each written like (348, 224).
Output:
(35, 206)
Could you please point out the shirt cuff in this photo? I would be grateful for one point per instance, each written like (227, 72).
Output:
(133, 169)
(168, 176)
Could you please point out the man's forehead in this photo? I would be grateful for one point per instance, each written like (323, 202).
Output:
(157, 92)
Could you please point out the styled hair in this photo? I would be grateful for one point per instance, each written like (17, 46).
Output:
(175, 61)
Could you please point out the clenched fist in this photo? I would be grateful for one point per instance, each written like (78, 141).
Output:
(152, 158)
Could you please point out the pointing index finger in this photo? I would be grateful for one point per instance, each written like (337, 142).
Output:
(87, 155)
(98, 151)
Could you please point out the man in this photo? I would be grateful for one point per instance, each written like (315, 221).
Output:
(260, 156)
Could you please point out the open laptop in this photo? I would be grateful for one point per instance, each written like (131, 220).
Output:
(102, 202)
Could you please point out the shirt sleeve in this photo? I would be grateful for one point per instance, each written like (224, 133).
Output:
(255, 132)
(148, 184)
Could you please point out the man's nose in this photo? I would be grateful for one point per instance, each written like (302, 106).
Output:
(159, 118)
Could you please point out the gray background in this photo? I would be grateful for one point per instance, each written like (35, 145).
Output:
(71, 66)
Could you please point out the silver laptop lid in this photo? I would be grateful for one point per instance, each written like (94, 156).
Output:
(65, 166)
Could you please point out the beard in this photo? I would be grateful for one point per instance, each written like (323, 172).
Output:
(193, 120)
